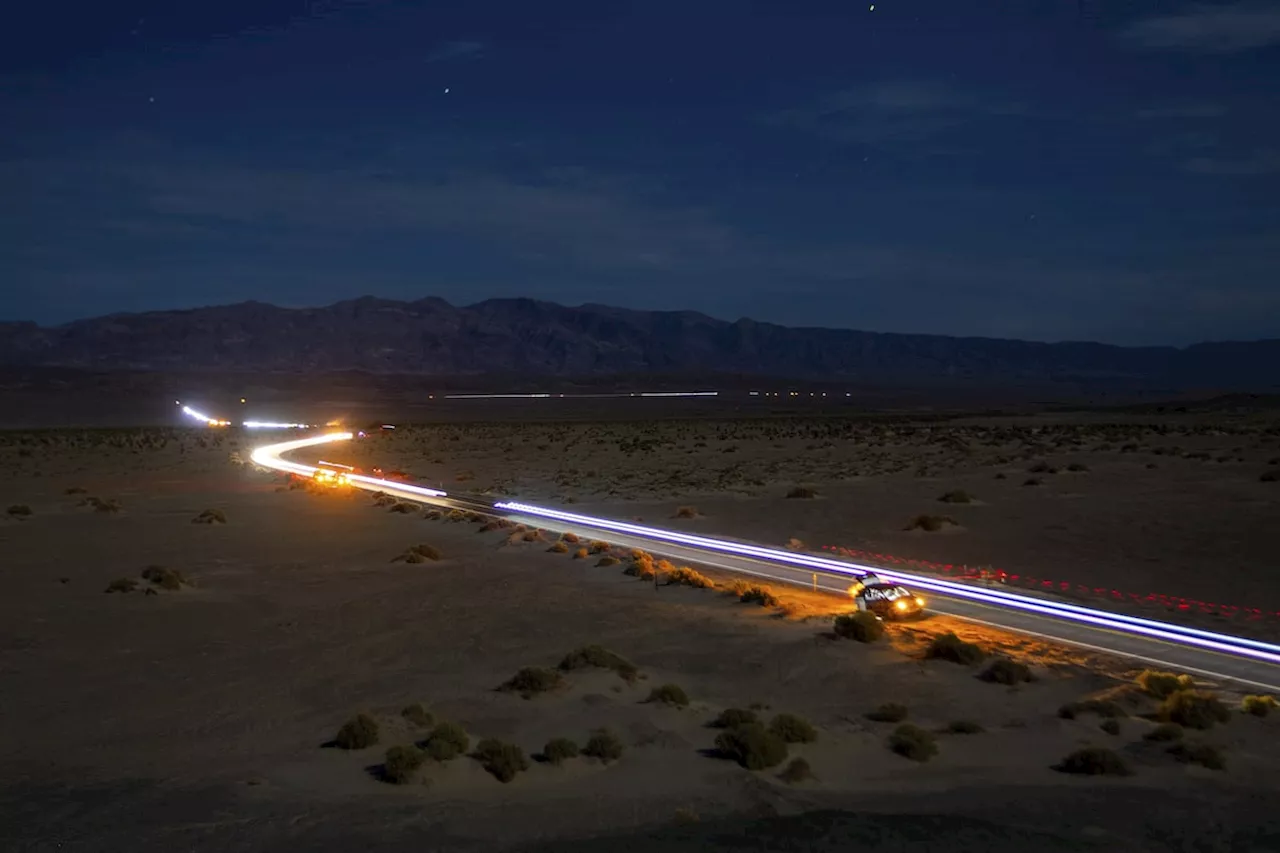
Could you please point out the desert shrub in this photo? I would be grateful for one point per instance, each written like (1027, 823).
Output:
(608, 560)
(559, 750)
(1198, 753)
(1000, 475)
(758, 595)
(1042, 468)
(417, 554)
(210, 516)
(359, 732)
(570, 537)
(930, 523)
(417, 714)
(1162, 684)
(793, 729)
(733, 717)
(429, 515)
(1006, 671)
(581, 554)
(532, 680)
(802, 492)
(601, 658)
(163, 577)
(1110, 725)
(1270, 476)
(859, 625)
(1077, 467)
(76, 490)
(122, 585)
(956, 496)
(1258, 706)
(401, 762)
(669, 694)
(597, 547)
(1100, 707)
(797, 770)
(686, 512)
(1164, 733)
(752, 746)
(604, 745)
(1033, 481)
(502, 760)
(20, 511)
(1093, 761)
(403, 507)
(685, 576)
(560, 547)
(964, 727)
(446, 742)
(913, 742)
(889, 712)
(950, 647)
(1193, 709)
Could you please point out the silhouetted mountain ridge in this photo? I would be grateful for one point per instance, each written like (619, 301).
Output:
(531, 337)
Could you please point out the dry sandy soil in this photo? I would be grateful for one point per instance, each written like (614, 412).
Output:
(196, 718)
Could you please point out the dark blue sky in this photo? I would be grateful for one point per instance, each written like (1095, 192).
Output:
(1014, 168)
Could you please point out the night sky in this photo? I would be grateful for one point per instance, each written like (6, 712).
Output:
(1046, 169)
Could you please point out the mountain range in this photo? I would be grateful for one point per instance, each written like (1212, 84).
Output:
(532, 338)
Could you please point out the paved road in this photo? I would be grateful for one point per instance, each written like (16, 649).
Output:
(1249, 663)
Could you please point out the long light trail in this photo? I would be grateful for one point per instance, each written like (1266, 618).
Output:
(218, 422)
(268, 456)
(1205, 639)
(200, 416)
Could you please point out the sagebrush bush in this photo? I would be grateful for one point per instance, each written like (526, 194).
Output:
(956, 496)
(686, 512)
(359, 732)
(758, 595)
(418, 715)
(1162, 684)
(401, 762)
(560, 547)
(558, 750)
(1258, 706)
(1193, 709)
(796, 771)
(608, 560)
(532, 680)
(930, 523)
(1093, 761)
(1005, 671)
(889, 712)
(752, 746)
(601, 658)
(913, 742)
(1198, 753)
(417, 554)
(570, 537)
(165, 578)
(1100, 707)
(793, 729)
(20, 511)
(951, 648)
(122, 585)
(685, 576)
(603, 745)
(732, 717)
(446, 742)
(1111, 726)
(860, 625)
(964, 727)
(581, 554)
(1164, 733)
(502, 760)
(210, 516)
(669, 694)
(802, 492)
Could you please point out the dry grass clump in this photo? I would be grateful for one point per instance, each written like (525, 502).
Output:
(581, 554)
(558, 750)
(1093, 761)
(603, 745)
(687, 512)
(20, 511)
(1193, 709)
(570, 537)
(859, 625)
(502, 760)
(383, 499)
(964, 727)
(431, 514)
(758, 595)
(752, 746)
(210, 516)
(165, 578)
(1259, 706)
(1005, 671)
(532, 681)
(560, 547)
(122, 585)
(889, 712)
(949, 647)
(793, 729)
(417, 714)
(913, 742)
(957, 496)
(796, 771)
(401, 763)
(641, 566)
(802, 493)
(446, 742)
(359, 732)
(685, 576)
(599, 657)
(403, 507)
(417, 554)
(1203, 754)
(597, 546)
(1161, 685)
(669, 694)
(931, 523)
(731, 718)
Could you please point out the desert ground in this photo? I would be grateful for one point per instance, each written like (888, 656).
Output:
(206, 709)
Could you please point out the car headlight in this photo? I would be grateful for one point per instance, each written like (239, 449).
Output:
(919, 601)
(901, 605)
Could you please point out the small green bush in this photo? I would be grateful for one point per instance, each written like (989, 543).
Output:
(418, 715)
(796, 771)
(793, 729)
(951, 648)
(733, 717)
(603, 745)
(758, 595)
(532, 680)
(752, 746)
(1193, 709)
(1005, 671)
(860, 625)
(1161, 685)
(1258, 706)
(558, 750)
(446, 742)
(1093, 761)
(359, 732)
(401, 762)
(669, 694)
(890, 712)
(1198, 753)
(913, 742)
(502, 760)
(964, 727)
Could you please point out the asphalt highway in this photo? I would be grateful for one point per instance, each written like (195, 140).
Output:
(1246, 662)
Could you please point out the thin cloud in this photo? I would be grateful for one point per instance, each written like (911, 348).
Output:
(454, 50)
(1210, 29)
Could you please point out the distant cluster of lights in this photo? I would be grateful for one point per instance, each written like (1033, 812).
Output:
(793, 394)
(220, 422)
(973, 573)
